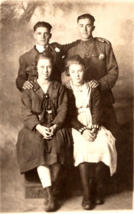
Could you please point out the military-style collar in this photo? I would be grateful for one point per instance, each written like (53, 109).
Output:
(90, 40)
(36, 85)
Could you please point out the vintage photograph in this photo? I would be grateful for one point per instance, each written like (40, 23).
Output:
(66, 106)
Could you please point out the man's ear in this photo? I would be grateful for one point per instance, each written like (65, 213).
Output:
(93, 28)
(34, 35)
(50, 35)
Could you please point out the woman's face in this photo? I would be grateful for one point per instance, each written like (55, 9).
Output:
(76, 72)
(44, 69)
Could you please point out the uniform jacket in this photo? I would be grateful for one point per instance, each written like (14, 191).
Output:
(94, 104)
(28, 59)
(101, 65)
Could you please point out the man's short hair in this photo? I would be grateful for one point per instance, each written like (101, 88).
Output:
(88, 16)
(42, 24)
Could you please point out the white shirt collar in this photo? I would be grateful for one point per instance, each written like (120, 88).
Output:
(40, 48)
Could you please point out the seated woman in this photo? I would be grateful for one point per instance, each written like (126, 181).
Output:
(94, 146)
(41, 142)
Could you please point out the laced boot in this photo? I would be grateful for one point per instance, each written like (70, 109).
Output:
(86, 172)
(51, 205)
(45, 197)
(87, 202)
(100, 194)
(102, 179)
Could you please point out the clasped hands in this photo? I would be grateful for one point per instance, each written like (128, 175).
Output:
(46, 132)
(90, 134)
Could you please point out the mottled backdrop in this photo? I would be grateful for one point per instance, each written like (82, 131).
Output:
(114, 21)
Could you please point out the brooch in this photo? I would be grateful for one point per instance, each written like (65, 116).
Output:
(101, 56)
(57, 50)
(49, 111)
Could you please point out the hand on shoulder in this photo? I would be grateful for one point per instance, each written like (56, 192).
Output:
(93, 83)
(27, 85)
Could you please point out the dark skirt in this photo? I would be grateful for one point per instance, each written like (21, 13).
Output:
(34, 151)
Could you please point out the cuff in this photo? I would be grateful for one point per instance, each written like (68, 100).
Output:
(95, 126)
(82, 129)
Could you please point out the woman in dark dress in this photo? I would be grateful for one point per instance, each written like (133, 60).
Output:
(41, 142)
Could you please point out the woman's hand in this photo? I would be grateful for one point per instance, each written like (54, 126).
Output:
(89, 135)
(53, 129)
(46, 132)
(94, 131)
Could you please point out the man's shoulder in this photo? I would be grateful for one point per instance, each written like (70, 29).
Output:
(28, 52)
(102, 41)
(56, 44)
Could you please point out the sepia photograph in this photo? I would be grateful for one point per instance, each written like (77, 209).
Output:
(66, 107)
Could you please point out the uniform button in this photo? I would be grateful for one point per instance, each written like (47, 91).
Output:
(87, 54)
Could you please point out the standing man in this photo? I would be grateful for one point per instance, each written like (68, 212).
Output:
(42, 35)
(101, 67)
(27, 73)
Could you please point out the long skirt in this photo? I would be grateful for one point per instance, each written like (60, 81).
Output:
(34, 151)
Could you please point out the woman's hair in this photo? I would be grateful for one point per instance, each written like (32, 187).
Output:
(44, 55)
(75, 59)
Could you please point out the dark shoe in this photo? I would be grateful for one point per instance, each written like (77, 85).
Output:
(87, 204)
(99, 200)
(51, 205)
(101, 192)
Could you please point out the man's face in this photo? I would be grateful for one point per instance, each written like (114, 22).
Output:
(42, 36)
(85, 27)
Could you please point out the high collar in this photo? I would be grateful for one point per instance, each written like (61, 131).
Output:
(41, 48)
(90, 40)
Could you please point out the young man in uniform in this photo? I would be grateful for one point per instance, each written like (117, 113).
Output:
(27, 73)
(42, 36)
(101, 66)
(101, 71)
